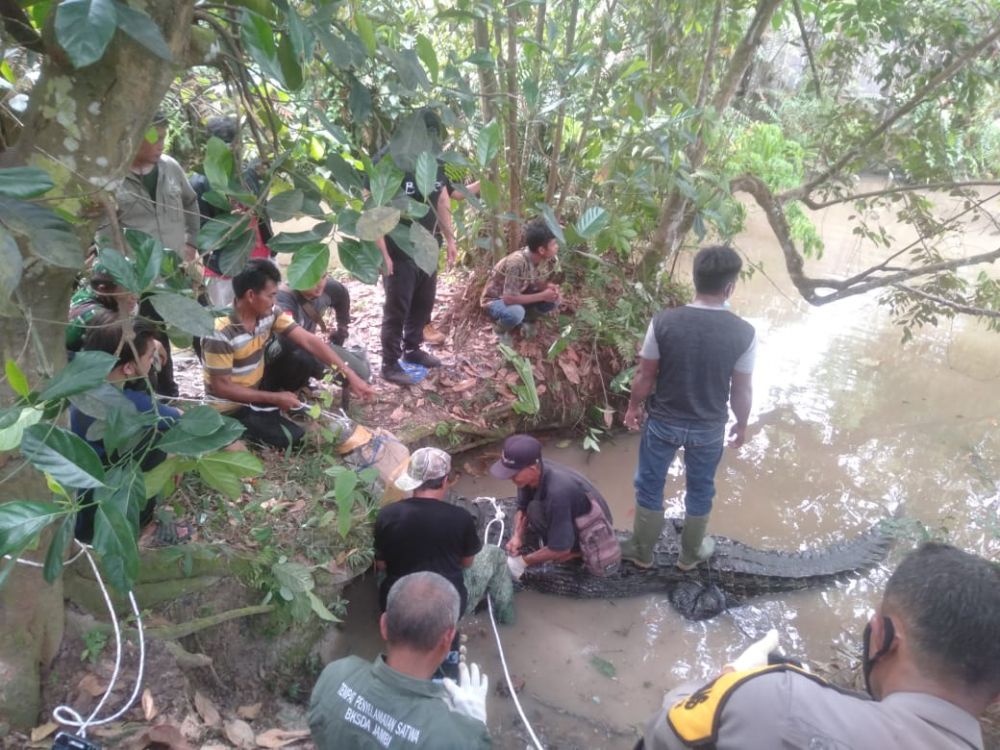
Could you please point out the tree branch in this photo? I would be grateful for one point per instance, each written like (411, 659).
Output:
(940, 77)
(929, 187)
(980, 312)
(713, 48)
(797, 5)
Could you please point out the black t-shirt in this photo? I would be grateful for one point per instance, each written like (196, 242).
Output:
(565, 495)
(424, 534)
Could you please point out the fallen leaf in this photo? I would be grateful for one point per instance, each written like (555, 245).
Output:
(401, 411)
(162, 736)
(209, 713)
(275, 738)
(148, 706)
(249, 712)
(603, 666)
(191, 728)
(570, 371)
(91, 685)
(40, 733)
(239, 733)
(464, 385)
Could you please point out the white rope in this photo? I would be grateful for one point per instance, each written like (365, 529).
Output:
(498, 518)
(66, 715)
(33, 564)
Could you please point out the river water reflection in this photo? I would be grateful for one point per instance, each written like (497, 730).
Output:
(848, 427)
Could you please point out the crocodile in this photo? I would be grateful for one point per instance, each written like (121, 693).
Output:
(735, 572)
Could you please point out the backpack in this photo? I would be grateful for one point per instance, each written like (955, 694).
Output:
(598, 543)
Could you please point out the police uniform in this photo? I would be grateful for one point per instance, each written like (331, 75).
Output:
(357, 705)
(784, 707)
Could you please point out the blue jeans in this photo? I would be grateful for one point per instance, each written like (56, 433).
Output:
(702, 453)
(509, 316)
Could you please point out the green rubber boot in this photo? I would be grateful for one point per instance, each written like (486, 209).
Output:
(696, 548)
(638, 549)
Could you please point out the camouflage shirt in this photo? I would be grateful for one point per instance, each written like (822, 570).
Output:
(515, 274)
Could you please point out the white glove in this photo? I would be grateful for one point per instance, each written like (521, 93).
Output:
(468, 695)
(516, 566)
(755, 655)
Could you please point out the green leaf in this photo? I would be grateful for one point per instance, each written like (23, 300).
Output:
(343, 490)
(291, 68)
(425, 50)
(294, 577)
(410, 139)
(490, 194)
(308, 265)
(594, 219)
(219, 164)
(147, 254)
(124, 428)
(603, 666)
(319, 609)
(285, 206)
(361, 259)
(411, 74)
(426, 250)
(11, 266)
(488, 144)
(232, 236)
(178, 440)
(84, 28)
(70, 460)
(142, 29)
(366, 31)
(120, 268)
(11, 434)
(49, 236)
(22, 520)
(115, 540)
(288, 242)
(183, 313)
(57, 550)
(552, 222)
(157, 478)
(16, 378)
(359, 101)
(385, 182)
(426, 173)
(87, 370)
(225, 471)
(201, 421)
(344, 174)
(258, 37)
(376, 222)
(24, 182)
(100, 401)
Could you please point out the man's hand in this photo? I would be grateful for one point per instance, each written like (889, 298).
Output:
(451, 251)
(737, 434)
(286, 400)
(359, 387)
(387, 266)
(513, 545)
(516, 566)
(633, 416)
(755, 655)
(468, 695)
(550, 294)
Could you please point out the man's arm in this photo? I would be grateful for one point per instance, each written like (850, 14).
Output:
(545, 555)
(192, 217)
(386, 258)
(517, 537)
(549, 294)
(319, 349)
(222, 386)
(643, 383)
(444, 219)
(740, 398)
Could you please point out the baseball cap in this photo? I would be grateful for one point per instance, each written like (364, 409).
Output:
(425, 464)
(519, 452)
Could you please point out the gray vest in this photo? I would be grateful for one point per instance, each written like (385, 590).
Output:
(698, 350)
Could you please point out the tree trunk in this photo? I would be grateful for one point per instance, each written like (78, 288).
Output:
(513, 157)
(83, 127)
(557, 136)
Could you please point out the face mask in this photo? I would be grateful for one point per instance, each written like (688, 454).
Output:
(868, 662)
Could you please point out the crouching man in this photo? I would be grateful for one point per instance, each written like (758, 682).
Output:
(393, 703)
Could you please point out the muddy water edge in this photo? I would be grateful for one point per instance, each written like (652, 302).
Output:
(848, 427)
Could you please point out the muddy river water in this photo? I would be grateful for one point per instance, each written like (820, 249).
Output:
(848, 426)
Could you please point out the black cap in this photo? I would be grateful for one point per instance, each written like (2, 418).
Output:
(519, 452)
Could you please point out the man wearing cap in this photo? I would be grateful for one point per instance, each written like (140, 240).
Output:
(550, 497)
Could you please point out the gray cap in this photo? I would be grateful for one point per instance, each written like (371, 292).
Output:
(425, 464)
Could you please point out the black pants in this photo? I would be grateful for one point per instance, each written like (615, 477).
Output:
(85, 518)
(164, 383)
(291, 369)
(409, 301)
(268, 427)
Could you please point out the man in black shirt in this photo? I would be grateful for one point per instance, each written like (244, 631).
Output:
(549, 499)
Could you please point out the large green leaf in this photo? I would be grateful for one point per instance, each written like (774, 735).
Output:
(308, 265)
(84, 28)
(362, 259)
(408, 67)
(11, 265)
(410, 139)
(11, 434)
(24, 182)
(120, 268)
(178, 440)
(258, 37)
(552, 222)
(87, 370)
(70, 460)
(125, 428)
(425, 248)
(292, 578)
(291, 67)
(366, 30)
(425, 50)
(376, 222)
(344, 174)
(219, 164)
(184, 313)
(50, 236)
(385, 182)
(359, 101)
(488, 144)
(138, 25)
(289, 242)
(115, 540)
(426, 173)
(57, 550)
(147, 254)
(285, 206)
(100, 401)
(225, 471)
(16, 378)
(22, 520)
(594, 219)
(232, 236)
(157, 478)
(201, 421)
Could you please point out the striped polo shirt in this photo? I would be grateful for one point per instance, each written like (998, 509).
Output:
(235, 351)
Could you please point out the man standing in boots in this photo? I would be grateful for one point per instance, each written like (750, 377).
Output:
(695, 363)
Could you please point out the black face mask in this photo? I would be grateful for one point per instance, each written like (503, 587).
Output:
(868, 662)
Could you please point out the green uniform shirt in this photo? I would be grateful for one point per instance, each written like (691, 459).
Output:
(356, 706)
